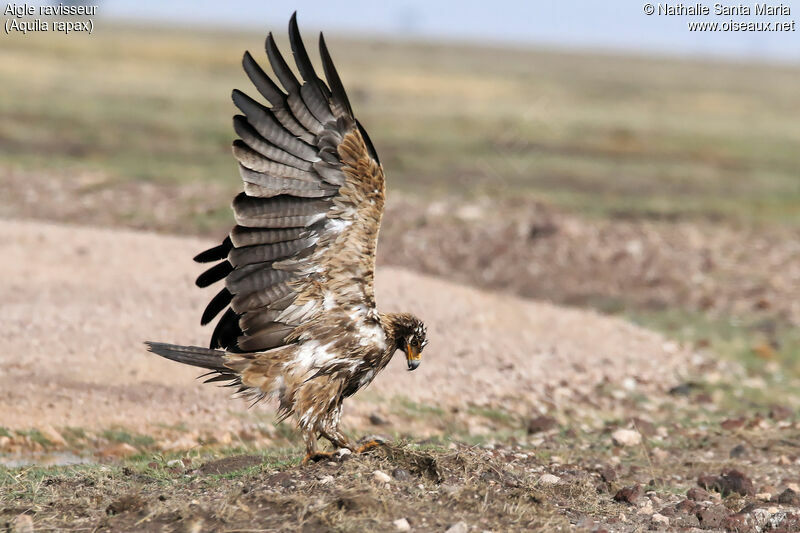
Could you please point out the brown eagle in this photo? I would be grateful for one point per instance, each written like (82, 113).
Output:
(301, 324)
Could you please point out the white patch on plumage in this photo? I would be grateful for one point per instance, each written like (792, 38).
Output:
(304, 420)
(311, 355)
(336, 225)
(329, 302)
(366, 379)
(371, 334)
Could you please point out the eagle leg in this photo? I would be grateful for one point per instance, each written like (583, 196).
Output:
(338, 439)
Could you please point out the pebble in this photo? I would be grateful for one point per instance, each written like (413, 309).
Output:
(22, 524)
(377, 420)
(401, 475)
(381, 477)
(789, 497)
(540, 424)
(628, 494)
(697, 494)
(324, 480)
(458, 527)
(626, 437)
(549, 479)
(660, 519)
(401, 524)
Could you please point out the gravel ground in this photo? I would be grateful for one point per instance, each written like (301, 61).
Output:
(78, 303)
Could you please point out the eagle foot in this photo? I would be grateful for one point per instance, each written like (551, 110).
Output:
(369, 445)
(313, 457)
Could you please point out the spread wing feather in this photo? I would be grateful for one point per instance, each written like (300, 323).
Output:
(308, 219)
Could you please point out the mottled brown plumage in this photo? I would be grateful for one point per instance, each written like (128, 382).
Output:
(300, 322)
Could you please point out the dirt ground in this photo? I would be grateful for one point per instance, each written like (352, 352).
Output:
(79, 303)
(523, 415)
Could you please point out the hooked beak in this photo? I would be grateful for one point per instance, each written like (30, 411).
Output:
(413, 357)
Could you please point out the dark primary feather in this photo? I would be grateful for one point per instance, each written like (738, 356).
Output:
(335, 83)
(216, 253)
(289, 163)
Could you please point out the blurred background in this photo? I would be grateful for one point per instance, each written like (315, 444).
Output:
(578, 152)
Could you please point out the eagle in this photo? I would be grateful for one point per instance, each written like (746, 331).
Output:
(300, 323)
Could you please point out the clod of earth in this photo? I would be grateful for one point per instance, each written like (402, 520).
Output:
(629, 494)
(730, 481)
(540, 424)
(713, 517)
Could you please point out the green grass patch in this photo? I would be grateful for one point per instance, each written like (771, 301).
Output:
(600, 134)
(121, 435)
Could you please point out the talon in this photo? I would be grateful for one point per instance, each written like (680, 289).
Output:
(369, 445)
(313, 457)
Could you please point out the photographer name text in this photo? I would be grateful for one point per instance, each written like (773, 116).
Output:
(731, 10)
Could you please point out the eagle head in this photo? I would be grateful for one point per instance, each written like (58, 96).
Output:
(411, 337)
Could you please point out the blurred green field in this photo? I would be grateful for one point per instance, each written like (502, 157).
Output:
(603, 135)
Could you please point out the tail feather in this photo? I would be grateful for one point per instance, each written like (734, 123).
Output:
(190, 355)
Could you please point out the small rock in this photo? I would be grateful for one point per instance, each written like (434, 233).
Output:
(549, 479)
(738, 451)
(628, 494)
(645, 508)
(341, 452)
(381, 477)
(732, 423)
(540, 424)
(377, 420)
(686, 506)
(660, 519)
(324, 480)
(22, 524)
(401, 524)
(401, 475)
(175, 463)
(789, 497)
(645, 427)
(736, 522)
(780, 412)
(684, 389)
(731, 481)
(660, 454)
(121, 449)
(698, 495)
(764, 496)
(626, 437)
(712, 517)
(458, 527)
(608, 474)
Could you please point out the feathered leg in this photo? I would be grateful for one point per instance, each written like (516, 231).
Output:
(330, 430)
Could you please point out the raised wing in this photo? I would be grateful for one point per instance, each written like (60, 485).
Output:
(307, 222)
